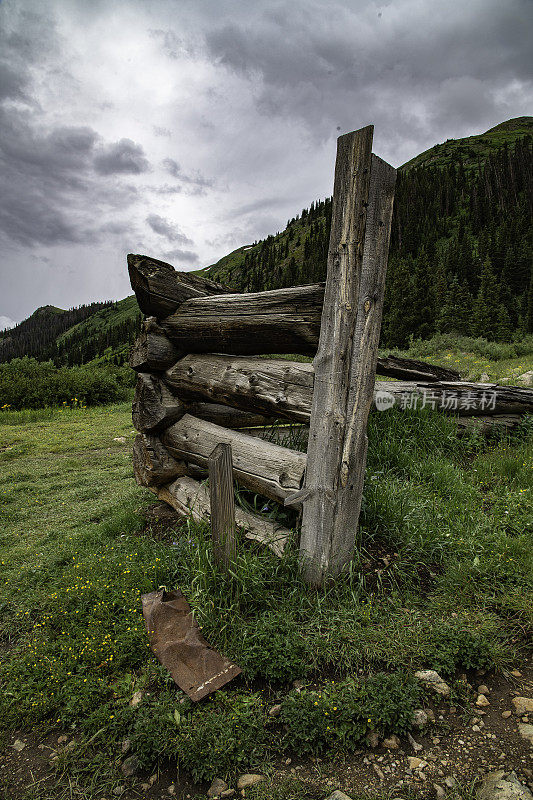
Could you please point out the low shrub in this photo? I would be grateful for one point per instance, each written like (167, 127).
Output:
(28, 383)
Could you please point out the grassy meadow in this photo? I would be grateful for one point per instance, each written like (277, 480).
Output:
(441, 580)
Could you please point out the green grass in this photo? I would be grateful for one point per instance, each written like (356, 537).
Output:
(500, 362)
(451, 516)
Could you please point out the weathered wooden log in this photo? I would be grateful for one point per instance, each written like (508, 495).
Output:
(276, 387)
(190, 498)
(284, 389)
(153, 351)
(345, 364)
(407, 369)
(160, 289)
(222, 501)
(486, 425)
(266, 468)
(156, 408)
(152, 463)
(277, 321)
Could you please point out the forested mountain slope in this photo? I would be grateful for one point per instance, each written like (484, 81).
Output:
(461, 248)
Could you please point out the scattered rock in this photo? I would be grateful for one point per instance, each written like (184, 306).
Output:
(516, 673)
(298, 684)
(19, 745)
(338, 795)
(62, 739)
(476, 728)
(137, 698)
(217, 787)
(419, 718)
(250, 779)
(171, 789)
(228, 793)
(120, 439)
(484, 378)
(129, 767)
(275, 710)
(414, 762)
(392, 743)
(372, 739)
(126, 746)
(118, 790)
(430, 714)
(507, 714)
(526, 731)
(416, 747)
(483, 689)
(527, 379)
(503, 786)
(378, 772)
(522, 705)
(432, 679)
(439, 791)
(482, 701)
(450, 781)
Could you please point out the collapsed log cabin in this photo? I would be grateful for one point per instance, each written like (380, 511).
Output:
(201, 383)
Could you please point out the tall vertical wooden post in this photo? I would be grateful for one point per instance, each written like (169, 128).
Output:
(220, 465)
(345, 364)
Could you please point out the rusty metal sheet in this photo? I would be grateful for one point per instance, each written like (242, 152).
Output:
(177, 641)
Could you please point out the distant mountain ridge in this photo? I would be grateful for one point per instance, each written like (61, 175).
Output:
(460, 260)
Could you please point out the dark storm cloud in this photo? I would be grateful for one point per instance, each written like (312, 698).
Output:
(417, 67)
(177, 256)
(124, 156)
(12, 83)
(166, 229)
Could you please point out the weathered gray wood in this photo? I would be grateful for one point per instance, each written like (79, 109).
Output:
(190, 498)
(220, 467)
(153, 351)
(485, 425)
(277, 321)
(261, 466)
(345, 363)
(407, 369)
(154, 406)
(152, 463)
(160, 289)
(275, 387)
(283, 389)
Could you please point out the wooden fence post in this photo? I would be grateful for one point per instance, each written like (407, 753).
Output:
(345, 363)
(220, 464)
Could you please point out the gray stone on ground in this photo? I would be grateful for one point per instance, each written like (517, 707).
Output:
(217, 787)
(503, 785)
(249, 779)
(526, 378)
(372, 739)
(419, 718)
(392, 743)
(338, 795)
(522, 705)
(432, 680)
(526, 731)
(129, 767)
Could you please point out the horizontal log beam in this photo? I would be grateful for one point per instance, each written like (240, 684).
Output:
(153, 351)
(284, 389)
(190, 498)
(160, 289)
(261, 466)
(407, 369)
(153, 464)
(278, 321)
(156, 408)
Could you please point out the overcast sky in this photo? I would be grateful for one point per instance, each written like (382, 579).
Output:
(186, 128)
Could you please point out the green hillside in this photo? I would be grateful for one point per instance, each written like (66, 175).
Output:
(461, 246)
(473, 148)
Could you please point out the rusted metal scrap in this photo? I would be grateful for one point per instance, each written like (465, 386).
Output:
(177, 641)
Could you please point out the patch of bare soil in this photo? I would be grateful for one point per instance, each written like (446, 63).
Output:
(459, 746)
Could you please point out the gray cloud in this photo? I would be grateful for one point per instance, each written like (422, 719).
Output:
(166, 229)
(108, 131)
(124, 156)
